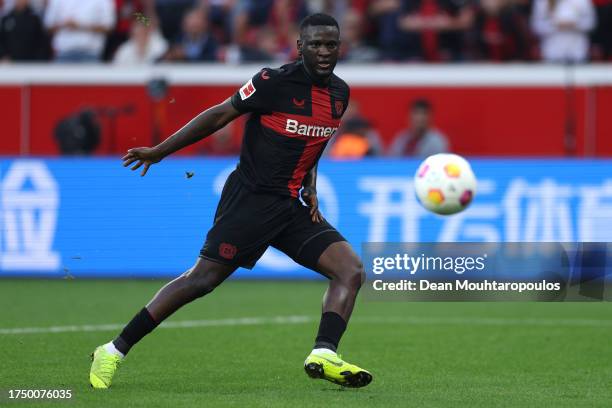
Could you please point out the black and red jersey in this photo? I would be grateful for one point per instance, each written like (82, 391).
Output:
(292, 119)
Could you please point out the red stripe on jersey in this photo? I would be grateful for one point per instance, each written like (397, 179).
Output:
(321, 113)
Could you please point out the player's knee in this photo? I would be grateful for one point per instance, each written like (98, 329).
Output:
(199, 282)
(352, 275)
(358, 274)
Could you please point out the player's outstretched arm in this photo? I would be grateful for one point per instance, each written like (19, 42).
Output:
(203, 125)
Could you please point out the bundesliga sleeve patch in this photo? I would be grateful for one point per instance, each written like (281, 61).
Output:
(247, 90)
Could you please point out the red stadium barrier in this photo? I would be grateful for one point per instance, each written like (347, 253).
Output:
(498, 112)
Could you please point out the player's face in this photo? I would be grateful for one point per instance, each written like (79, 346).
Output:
(319, 46)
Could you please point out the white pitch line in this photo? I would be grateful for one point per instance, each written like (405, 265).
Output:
(279, 320)
(243, 321)
(486, 321)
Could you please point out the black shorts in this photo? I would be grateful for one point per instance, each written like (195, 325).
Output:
(247, 222)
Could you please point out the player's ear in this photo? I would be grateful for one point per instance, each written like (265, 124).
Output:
(299, 48)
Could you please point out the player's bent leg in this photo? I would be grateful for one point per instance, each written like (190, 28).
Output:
(345, 271)
(198, 281)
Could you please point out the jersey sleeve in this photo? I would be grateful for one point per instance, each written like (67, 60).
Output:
(340, 100)
(256, 94)
(347, 100)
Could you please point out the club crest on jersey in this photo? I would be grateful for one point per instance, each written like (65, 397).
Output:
(339, 107)
(293, 126)
(247, 90)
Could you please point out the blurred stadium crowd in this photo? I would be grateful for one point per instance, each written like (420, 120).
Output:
(242, 31)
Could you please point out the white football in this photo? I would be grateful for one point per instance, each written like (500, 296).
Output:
(445, 183)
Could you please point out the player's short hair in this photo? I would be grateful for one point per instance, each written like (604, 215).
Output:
(420, 104)
(318, 19)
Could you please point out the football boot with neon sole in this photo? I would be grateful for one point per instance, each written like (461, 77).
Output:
(103, 368)
(329, 366)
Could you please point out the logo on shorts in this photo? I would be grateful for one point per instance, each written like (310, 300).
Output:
(227, 251)
(339, 107)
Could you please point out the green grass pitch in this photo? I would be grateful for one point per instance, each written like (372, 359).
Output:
(421, 354)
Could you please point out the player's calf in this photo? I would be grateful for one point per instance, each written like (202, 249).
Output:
(198, 281)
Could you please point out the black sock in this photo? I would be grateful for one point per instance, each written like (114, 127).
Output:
(141, 325)
(331, 328)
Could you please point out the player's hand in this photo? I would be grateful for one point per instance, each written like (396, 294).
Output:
(142, 156)
(309, 195)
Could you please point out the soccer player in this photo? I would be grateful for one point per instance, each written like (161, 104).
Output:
(294, 110)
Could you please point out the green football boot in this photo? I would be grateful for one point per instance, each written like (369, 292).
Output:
(329, 366)
(103, 368)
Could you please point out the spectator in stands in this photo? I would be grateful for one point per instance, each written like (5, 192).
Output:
(436, 29)
(420, 139)
(353, 112)
(284, 19)
(352, 142)
(353, 48)
(500, 32)
(145, 46)
(171, 13)
(249, 15)
(391, 41)
(563, 27)
(281, 16)
(335, 8)
(22, 36)
(265, 48)
(220, 18)
(37, 6)
(602, 35)
(79, 28)
(127, 13)
(196, 42)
